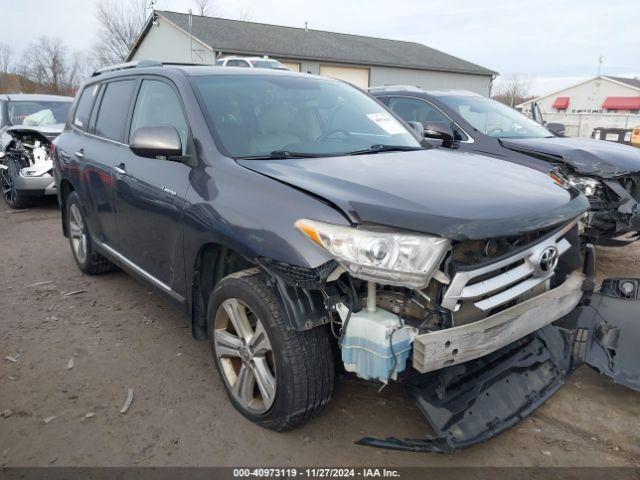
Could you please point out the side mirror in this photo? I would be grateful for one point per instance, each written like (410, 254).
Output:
(440, 132)
(556, 128)
(161, 141)
(418, 127)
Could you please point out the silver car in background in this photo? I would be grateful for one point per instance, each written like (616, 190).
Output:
(28, 125)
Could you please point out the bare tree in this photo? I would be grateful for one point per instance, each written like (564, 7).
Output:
(245, 14)
(513, 89)
(50, 65)
(6, 59)
(120, 25)
(204, 7)
(6, 67)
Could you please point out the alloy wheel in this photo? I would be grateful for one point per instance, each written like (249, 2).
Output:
(8, 187)
(76, 232)
(245, 356)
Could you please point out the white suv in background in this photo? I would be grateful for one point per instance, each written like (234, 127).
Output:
(250, 62)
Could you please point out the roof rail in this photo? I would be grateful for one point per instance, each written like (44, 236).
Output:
(391, 88)
(124, 66)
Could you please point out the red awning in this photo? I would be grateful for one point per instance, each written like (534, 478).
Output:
(561, 103)
(622, 103)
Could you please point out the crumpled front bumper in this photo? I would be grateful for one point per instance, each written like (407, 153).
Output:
(471, 402)
(451, 346)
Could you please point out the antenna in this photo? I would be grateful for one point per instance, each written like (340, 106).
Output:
(196, 51)
(600, 60)
(306, 26)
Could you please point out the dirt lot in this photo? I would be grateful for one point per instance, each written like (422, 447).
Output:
(120, 336)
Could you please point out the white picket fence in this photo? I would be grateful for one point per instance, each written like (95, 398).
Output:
(582, 124)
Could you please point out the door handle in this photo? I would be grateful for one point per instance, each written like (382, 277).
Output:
(66, 158)
(79, 153)
(120, 169)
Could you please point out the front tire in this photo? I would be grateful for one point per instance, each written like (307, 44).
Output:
(88, 260)
(12, 197)
(274, 375)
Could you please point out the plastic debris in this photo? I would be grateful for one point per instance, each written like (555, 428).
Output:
(89, 415)
(75, 292)
(127, 402)
(70, 364)
(6, 413)
(37, 284)
(50, 419)
(15, 358)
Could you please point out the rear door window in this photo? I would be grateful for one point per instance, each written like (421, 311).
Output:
(158, 105)
(83, 109)
(114, 108)
(417, 110)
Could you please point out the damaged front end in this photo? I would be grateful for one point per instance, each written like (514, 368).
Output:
(28, 161)
(494, 332)
(471, 403)
(608, 175)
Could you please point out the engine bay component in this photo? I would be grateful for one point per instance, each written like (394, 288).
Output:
(376, 344)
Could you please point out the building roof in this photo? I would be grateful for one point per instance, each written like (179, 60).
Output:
(250, 38)
(632, 82)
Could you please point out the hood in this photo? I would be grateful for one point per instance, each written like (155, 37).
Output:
(49, 132)
(584, 155)
(451, 194)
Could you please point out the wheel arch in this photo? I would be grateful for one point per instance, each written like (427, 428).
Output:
(64, 190)
(213, 262)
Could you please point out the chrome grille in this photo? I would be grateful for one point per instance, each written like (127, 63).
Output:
(505, 280)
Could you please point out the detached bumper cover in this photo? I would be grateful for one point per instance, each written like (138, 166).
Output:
(472, 402)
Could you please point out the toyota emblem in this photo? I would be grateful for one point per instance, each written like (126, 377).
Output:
(548, 260)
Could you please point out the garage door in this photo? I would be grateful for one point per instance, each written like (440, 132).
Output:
(355, 76)
(294, 67)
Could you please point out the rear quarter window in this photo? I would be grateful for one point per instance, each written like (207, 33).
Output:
(114, 108)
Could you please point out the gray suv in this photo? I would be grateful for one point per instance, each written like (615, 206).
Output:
(302, 227)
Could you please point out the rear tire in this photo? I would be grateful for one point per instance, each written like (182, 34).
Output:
(88, 260)
(299, 365)
(12, 197)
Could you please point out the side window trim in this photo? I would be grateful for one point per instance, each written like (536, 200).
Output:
(94, 119)
(174, 88)
(411, 97)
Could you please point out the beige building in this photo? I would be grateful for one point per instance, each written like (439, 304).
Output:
(603, 94)
(362, 61)
(603, 102)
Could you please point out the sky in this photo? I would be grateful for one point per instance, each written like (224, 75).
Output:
(552, 43)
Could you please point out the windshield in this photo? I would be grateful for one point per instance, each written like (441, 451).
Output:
(268, 64)
(35, 113)
(255, 116)
(495, 119)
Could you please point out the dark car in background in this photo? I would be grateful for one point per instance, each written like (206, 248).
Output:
(28, 124)
(607, 173)
(299, 223)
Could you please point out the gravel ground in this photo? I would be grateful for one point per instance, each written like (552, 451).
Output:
(81, 353)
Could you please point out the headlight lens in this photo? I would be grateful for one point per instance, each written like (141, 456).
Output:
(388, 257)
(587, 185)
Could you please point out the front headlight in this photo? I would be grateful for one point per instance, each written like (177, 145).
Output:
(384, 256)
(587, 185)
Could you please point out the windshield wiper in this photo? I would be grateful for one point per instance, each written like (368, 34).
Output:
(281, 155)
(379, 147)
